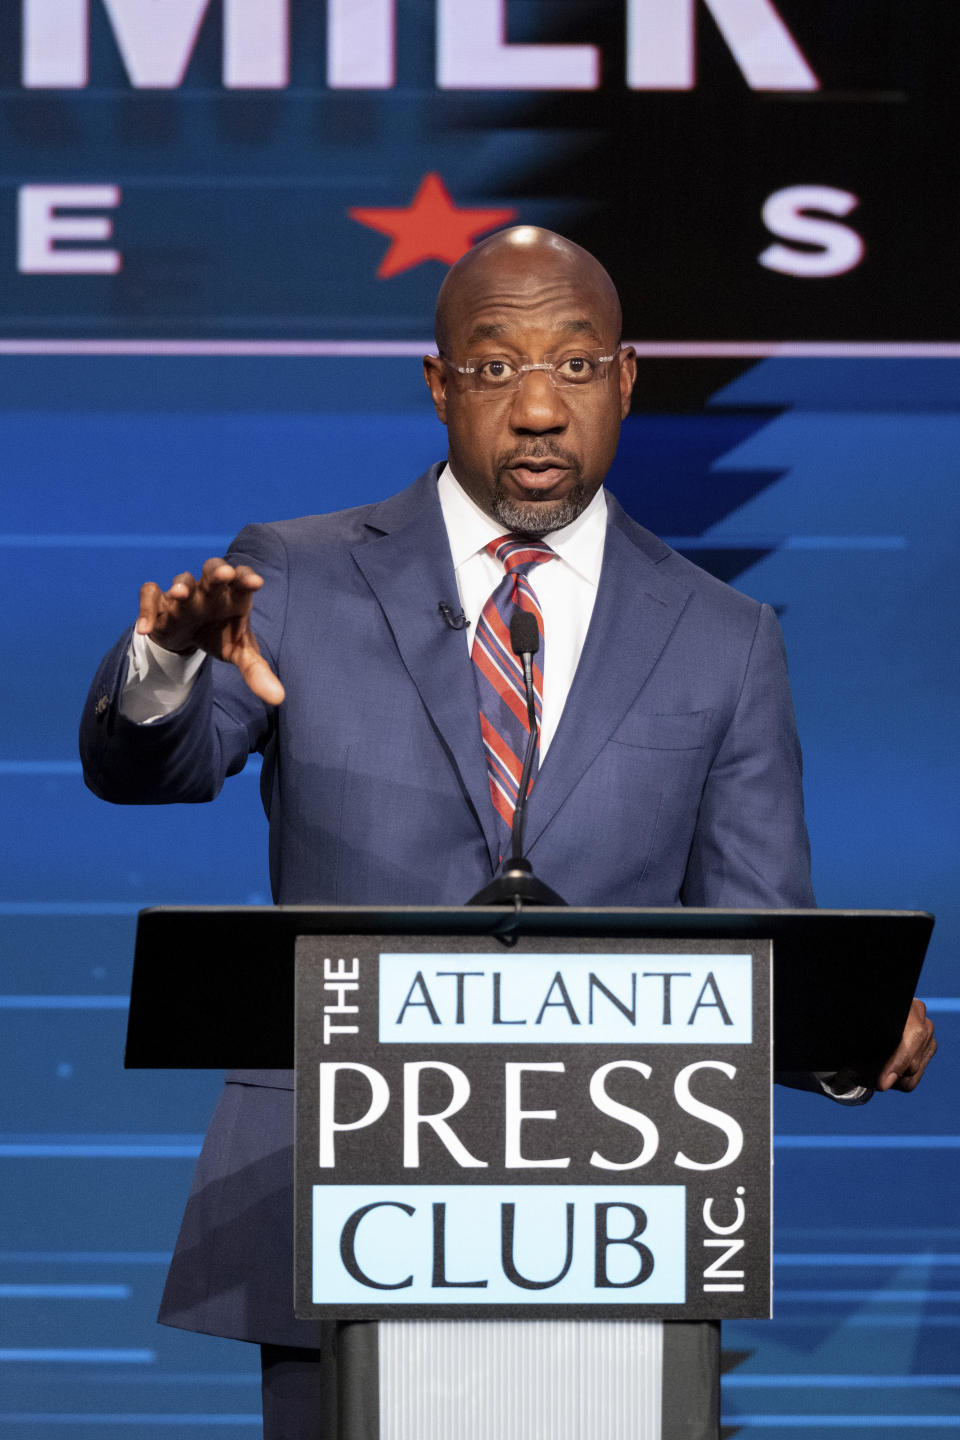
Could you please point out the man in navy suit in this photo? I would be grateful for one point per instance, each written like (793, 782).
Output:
(670, 769)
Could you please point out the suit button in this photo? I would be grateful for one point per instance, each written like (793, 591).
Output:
(102, 706)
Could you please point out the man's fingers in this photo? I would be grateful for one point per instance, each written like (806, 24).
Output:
(154, 601)
(257, 673)
(229, 588)
(211, 613)
(216, 570)
(246, 576)
(912, 1056)
(150, 595)
(182, 588)
(910, 1076)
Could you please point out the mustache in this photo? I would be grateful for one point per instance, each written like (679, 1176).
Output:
(543, 448)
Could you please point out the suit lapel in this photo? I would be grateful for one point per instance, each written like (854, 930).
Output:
(636, 611)
(409, 569)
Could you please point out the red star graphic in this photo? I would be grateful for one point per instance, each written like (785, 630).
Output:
(430, 228)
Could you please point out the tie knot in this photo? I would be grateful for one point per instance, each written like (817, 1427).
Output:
(513, 551)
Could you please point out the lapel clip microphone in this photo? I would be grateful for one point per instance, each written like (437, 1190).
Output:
(452, 621)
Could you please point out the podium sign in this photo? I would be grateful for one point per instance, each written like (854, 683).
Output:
(567, 1127)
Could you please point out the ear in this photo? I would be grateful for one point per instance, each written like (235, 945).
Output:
(435, 374)
(628, 377)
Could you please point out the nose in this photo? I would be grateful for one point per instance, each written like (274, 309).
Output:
(538, 406)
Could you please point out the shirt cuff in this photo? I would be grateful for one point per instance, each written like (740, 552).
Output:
(158, 680)
(825, 1079)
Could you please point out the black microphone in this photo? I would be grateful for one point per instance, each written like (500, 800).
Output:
(455, 622)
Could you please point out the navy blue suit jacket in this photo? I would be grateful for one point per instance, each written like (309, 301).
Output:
(673, 778)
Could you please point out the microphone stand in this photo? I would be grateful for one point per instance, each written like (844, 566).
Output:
(516, 884)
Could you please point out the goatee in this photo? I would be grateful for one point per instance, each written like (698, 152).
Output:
(536, 518)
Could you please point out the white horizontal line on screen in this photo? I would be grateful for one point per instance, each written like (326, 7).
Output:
(134, 1147)
(85, 1257)
(878, 1297)
(71, 767)
(786, 542)
(120, 1002)
(70, 907)
(843, 1422)
(870, 1320)
(389, 349)
(111, 541)
(876, 1232)
(64, 1002)
(99, 1152)
(81, 1357)
(173, 1148)
(826, 1258)
(841, 1382)
(174, 1421)
(64, 1292)
(868, 1142)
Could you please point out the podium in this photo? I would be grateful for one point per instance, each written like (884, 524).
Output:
(527, 1137)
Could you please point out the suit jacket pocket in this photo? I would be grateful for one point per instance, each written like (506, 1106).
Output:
(663, 732)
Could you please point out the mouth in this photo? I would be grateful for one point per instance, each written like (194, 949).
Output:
(534, 475)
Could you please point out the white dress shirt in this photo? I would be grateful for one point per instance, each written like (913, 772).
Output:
(158, 681)
(566, 587)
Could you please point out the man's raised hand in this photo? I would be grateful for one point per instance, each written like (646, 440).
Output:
(211, 614)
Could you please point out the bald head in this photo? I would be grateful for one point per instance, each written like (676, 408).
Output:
(512, 267)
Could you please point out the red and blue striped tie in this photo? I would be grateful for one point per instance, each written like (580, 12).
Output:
(503, 703)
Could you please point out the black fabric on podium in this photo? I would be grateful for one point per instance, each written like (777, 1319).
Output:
(690, 1407)
(303, 1390)
(299, 1391)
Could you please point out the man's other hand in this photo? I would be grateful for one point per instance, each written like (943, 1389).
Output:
(211, 614)
(912, 1056)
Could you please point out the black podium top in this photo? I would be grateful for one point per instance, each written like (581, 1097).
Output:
(213, 986)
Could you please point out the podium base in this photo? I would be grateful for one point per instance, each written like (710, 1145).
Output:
(518, 886)
(521, 1380)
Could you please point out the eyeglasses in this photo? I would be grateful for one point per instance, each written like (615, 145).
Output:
(495, 375)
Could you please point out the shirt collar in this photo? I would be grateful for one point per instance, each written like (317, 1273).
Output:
(469, 529)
